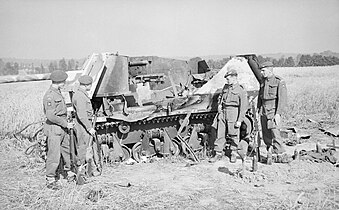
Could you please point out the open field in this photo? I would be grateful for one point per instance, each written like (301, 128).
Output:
(174, 183)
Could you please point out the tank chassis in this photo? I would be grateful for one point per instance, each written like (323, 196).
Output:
(141, 111)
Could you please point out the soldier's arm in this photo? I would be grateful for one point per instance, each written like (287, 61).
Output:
(243, 105)
(50, 106)
(282, 97)
(81, 108)
(259, 102)
(253, 62)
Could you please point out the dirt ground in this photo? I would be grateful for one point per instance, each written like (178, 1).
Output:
(174, 183)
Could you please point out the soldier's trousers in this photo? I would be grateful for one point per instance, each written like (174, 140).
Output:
(86, 153)
(58, 147)
(226, 127)
(83, 138)
(271, 135)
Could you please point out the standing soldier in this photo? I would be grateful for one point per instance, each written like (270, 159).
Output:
(272, 101)
(84, 130)
(232, 106)
(55, 129)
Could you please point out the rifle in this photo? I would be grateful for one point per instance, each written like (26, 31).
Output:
(72, 150)
(95, 138)
(256, 156)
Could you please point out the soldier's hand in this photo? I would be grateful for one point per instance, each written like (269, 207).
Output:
(219, 108)
(277, 119)
(92, 131)
(237, 124)
(70, 125)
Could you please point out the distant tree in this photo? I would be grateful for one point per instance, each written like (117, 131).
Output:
(305, 60)
(261, 59)
(275, 62)
(289, 62)
(71, 65)
(38, 70)
(9, 69)
(63, 64)
(43, 70)
(2, 66)
(16, 66)
(76, 65)
(51, 67)
(281, 61)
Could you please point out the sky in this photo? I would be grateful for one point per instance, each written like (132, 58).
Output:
(49, 29)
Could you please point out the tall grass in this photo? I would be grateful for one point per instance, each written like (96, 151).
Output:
(312, 92)
(21, 104)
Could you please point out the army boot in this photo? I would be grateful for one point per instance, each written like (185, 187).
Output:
(71, 176)
(269, 156)
(52, 183)
(218, 156)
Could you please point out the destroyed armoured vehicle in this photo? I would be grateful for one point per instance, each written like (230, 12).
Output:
(146, 106)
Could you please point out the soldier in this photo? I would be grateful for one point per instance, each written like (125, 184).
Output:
(232, 106)
(272, 101)
(55, 129)
(84, 130)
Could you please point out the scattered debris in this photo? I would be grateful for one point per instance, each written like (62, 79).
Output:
(294, 136)
(325, 155)
(331, 131)
(95, 195)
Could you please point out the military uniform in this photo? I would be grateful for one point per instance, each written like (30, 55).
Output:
(233, 100)
(55, 129)
(272, 100)
(83, 109)
(87, 152)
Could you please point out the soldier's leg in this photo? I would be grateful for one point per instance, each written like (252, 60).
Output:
(220, 142)
(66, 155)
(53, 153)
(242, 148)
(233, 133)
(267, 137)
(95, 160)
(277, 144)
(83, 138)
(266, 133)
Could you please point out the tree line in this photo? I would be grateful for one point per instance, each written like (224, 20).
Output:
(13, 68)
(301, 60)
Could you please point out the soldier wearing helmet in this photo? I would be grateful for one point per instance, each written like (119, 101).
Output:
(55, 129)
(83, 113)
(232, 106)
(272, 102)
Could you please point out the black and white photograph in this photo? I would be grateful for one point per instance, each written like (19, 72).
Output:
(169, 104)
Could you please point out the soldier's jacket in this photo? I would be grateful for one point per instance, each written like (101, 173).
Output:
(272, 96)
(234, 96)
(83, 108)
(55, 107)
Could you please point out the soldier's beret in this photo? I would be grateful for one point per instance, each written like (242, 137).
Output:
(85, 80)
(58, 76)
(231, 72)
(266, 64)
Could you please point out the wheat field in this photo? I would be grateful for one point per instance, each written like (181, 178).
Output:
(312, 92)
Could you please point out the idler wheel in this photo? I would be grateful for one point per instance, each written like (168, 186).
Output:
(127, 152)
(136, 151)
(124, 128)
